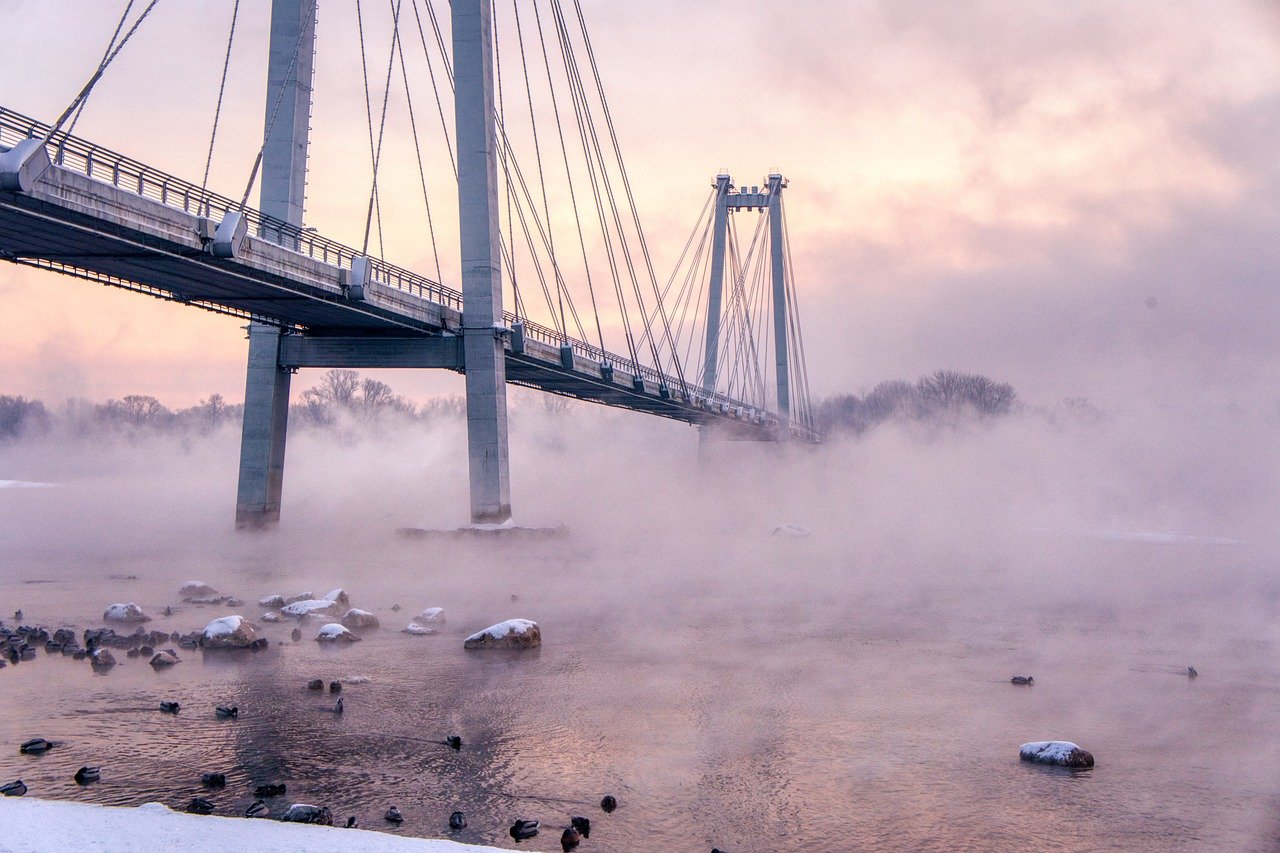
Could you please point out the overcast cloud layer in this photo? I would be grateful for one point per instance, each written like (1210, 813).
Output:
(1079, 198)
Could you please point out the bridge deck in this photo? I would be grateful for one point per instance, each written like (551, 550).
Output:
(104, 217)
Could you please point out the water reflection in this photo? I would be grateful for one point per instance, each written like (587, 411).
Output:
(826, 721)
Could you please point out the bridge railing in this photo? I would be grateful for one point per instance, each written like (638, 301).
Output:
(130, 175)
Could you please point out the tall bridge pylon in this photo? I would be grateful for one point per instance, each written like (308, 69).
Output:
(727, 200)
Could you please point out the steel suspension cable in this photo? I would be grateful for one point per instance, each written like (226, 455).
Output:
(580, 108)
(382, 128)
(417, 150)
(537, 153)
(222, 88)
(431, 71)
(626, 181)
(503, 152)
(573, 196)
(275, 108)
(107, 59)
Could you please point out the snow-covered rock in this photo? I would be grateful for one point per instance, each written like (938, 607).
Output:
(229, 632)
(311, 607)
(302, 596)
(512, 634)
(420, 630)
(272, 602)
(432, 615)
(1061, 752)
(358, 619)
(125, 613)
(270, 616)
(166, 658)
(335, 633)
(338, 596)
(196, 589)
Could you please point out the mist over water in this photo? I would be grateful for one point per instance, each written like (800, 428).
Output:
(845, 690)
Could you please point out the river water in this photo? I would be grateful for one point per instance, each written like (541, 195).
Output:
(740, 690)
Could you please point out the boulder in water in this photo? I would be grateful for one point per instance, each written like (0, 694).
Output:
(335, 633)
(338, 596)
(272, 602)
(359, 619)
(164, 659)
(229, 632)
(196, 589)
(302, 596)
(311, 607)
(1063, 753)
(512, 634)
(431, 616)
(305, 813)
(102, 658)
(419, 630)
(125, 613)
(270, 616)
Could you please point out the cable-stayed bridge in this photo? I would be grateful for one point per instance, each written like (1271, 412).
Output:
(731, 363)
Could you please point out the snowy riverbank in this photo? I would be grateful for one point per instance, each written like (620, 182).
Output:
(32, 825)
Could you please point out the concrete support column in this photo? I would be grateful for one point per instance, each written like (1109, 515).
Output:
(482, 349)
(266, 420)
(782, 363)
(284, 180)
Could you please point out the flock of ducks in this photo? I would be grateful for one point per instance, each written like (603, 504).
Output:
(578, 829)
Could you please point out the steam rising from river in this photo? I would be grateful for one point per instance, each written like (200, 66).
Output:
(966, 549)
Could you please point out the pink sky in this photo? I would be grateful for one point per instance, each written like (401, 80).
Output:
(989, 186)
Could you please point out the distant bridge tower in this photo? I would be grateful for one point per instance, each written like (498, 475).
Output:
(284, 180)
(769, 198)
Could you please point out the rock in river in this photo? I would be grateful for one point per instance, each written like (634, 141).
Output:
(229, 632)
(196, 589)
(164, 659)
(272, 602)
(335, 633)
(1061, 752)
(311, 607)
(512, 634)
(125, 613)
(358, 619)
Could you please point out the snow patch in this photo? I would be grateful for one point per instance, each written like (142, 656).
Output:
(33, 824)
(502, 629)
(299, 609)
(223, 627)
(334, 632)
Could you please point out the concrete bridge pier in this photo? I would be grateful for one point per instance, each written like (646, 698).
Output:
(284, 181)
(484, 359)
(262, 438)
